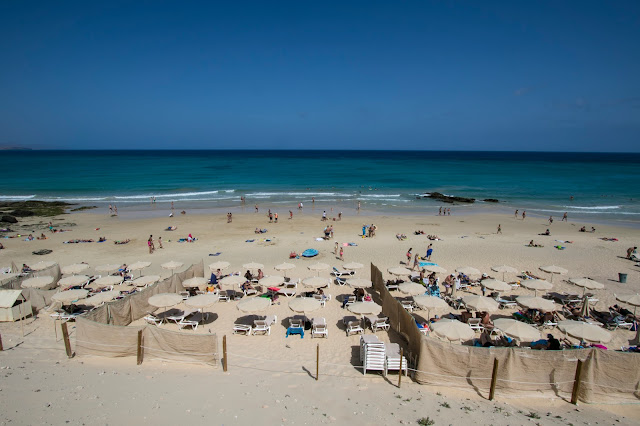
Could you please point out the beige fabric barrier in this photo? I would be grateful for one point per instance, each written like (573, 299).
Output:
(105, 340)
(176, 346)
(119, 311)
(38, 298)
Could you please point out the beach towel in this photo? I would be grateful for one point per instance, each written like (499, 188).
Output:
(559, 247)
(215, 254)
(422, 264)
(249, 241)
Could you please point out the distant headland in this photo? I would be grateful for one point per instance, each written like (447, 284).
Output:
(14, 148)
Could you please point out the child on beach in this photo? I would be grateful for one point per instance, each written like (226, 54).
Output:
(409, 256)
(341, 253)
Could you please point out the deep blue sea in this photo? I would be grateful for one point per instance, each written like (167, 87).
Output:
(603, 186)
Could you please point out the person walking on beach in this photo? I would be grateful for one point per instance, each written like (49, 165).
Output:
(440, 212)
(550, 220)
(275, 215)
(150, 244)
(564, 217)
(160, 242)
(290, 214)
(524, 214)
(110, 209)
(416, 262)
(270, 217)
(429, 251)
(342, 253)
(499, 229)
(256, 207)
(448, 212)
(115, 209)
(516, 214)
(409, 256)
(172, 206)
(335, 249)
(358, 205)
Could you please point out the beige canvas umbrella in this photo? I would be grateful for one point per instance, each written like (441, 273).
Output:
(271, 281)
(504, 269)
(365, 308)
(222, 265)
(584, 331)
(537, 303)
(284, 267)
(399, 271)
(318, 267)
(429, 302)
(453, 330)
(353, 265)
(496, 285)
(233, 280)
(139, 266)
(73, 280)
(100, 298)
(517, 329)
(75, 268)
(38, 282)
(412, 289)
(435, 268)
(359, 283)
(108, 268)
(146, 280)
(553, 269)
(165, 300)
(304, 304)
(253, 304)
(253, 266)
(7, 277)
(480, 303)
(631, 299)
(173, 265)
(586, 283)
(536, 285)
(195, 282)
(44, 264)
(69, 296)
(108, 280)
(468, 270)
(315, 282)
(201, 301)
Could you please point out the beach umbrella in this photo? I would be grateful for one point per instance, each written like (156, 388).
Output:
(536, 285)
(195, 282)
(173, 265)
(318, 267)
(453, 330)
(44, 264)
(73, 280)
(359, 283)
(7, 277)
(284, 267)
(146, 280)
(253, 266)
(496, 285)
(108, 280)
(164, 300)
(304, 304)
(468, 270)
(537, 303)
(429, 302)
(631, 299)
(315, 282)
(75, 268)
(435, 268)
(222, 265)
(412, 289)
(100, 298)
(584, 331)
(38, 282)
(480, 303)
(553, 269)
(109, 268)
(271, 281)
(504, 269)
(69, 296)
(353, 265)
(201, 301)
(233, 280)
(365, 308)
(139, 266)
(517, 329)
(253, 304)
(398, 271)
(586, 283)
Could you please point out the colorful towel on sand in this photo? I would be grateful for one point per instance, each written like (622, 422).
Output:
(422, 264)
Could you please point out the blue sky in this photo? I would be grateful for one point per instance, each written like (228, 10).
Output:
(556, 76)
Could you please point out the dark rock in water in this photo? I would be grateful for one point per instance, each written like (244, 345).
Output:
(8, 219)
(491, 200)
(22, 213)
(450, 198)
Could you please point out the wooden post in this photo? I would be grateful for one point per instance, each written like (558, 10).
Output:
(576, 384)
(65, 337)
(494, 379)
(21, 319)
(400, 372)
(1, 348)
(139, 347)
(224, 353)
(317, 361)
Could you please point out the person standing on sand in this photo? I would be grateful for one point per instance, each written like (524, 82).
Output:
(409, 256)
(516, 214)
(358, 205)
(256, 208)
(115, 209)
(335, 249)
(630, 251)
(290, 214)
(429, 251)
(160, 242)
(150, 244)
(524, 214)
(440, 211)
(342, 253)
(172, 206)
(275, 215)
(416, 262)
(499, 229)
(564, 217)
(550, 220)
(110, 209)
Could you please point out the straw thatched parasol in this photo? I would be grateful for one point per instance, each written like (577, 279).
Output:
(318, 267)
(253, 304)
(533, 302)
(536, 285)
(271, 280)
(315, 282)
(146, 280)
(435, 268)
(222, 265)
(365, 308)
(480, 303)
(553, 269)
(453, 330)
(44, 264)
(504, 269)
(164, 300)
(412, 289)
(429, 302)
(253, 266)
(108, 280)
(8, 277)
(517, 329)
(399, 271)
(172, 265)
(584, 331)
(139, 266)
(108, 268)
(353, 265)
(38, 282)
(496, 285)
(75, 268)
(304, 304)
(284, 267)
(359, 283)
(69, 296)
(201, 301)
(233, 280)
(468, 270)
(195, 282)
(100, 298)
(586, 283)
(73, 280)
(631, 299)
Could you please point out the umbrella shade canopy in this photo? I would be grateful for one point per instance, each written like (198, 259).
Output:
(284, 266)
(164, 300)
(453, 330)
(553, 269)
(253, 304)
(315, 282)
(201, 301)
(517, 329)
(480, 303)
(504, 269)
(318, 267)
(233, 280)
(43, 265)
(359, 283)
(146, 280)
(304, 304)
(108, 280)
(222, 265)
(584, 331)
(398, 271)
(587, 283)
(75, 268)
(73, 280)
(430, 302)
(107, 268)
(69, 296)
(353, 265)
(100, 298)
(496, 285)
(7, 277)
(631, 299)
(195, 282)
(253, 265)
(271, 280)
(536, 303)
(468, 270)
(536, 284)
(365, 308)
(139, 265)
(412, 289)
(37, 282)
(172, 265)
(435, 268)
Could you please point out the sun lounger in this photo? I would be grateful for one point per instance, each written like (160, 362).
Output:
(224, 296)
(354, 327)
(506, 303)
(179, 317)
(340, 281)
(407, 304)
(242, 328)
(379, 324)
(192, 322)
(393, 361)
(319, 327)
(152, 319)
(340, 274)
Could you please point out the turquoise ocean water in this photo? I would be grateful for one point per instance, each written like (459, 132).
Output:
(603, 186)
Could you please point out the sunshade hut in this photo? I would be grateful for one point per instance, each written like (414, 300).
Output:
(13, 305)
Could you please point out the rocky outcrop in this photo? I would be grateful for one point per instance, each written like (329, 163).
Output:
(450, 198)
(8, 219)
(491, 200)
